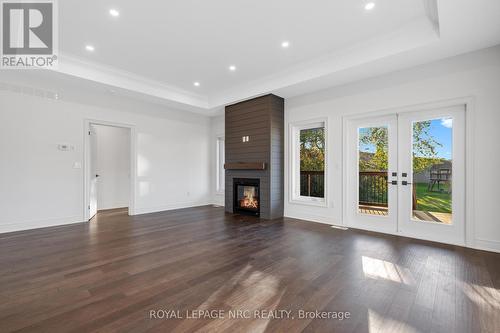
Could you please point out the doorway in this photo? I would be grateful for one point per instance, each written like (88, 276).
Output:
(109, 168)
(406, 174)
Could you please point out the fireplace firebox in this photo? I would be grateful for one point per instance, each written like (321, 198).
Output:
(246, 196)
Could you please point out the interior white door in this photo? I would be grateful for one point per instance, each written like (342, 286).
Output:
(371, 184)
(432, 174)
(93, 173)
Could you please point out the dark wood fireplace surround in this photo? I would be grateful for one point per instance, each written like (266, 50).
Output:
(254, 151)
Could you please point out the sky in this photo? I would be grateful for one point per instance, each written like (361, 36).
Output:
(440, 129)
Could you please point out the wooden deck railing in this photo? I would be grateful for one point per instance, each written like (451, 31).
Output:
(312, 184)
(373, 188)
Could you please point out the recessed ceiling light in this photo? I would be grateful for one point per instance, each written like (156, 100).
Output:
(196, 84)
(114, 13)
(285, 44)
(370, 5)
(89, 48)
(232, 68)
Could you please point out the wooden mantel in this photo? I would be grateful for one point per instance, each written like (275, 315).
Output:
(245, 166)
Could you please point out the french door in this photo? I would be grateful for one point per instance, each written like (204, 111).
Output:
(406, 174)
(372, 168)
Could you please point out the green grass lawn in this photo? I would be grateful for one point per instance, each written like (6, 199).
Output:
(435, 201)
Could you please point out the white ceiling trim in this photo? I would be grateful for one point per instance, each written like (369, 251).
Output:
(413, 35)
(73, 66)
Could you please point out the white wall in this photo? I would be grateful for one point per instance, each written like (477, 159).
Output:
(113, 166)
(40, 186)
(217, 130)
(476, 74)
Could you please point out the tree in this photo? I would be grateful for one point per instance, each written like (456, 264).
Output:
(424, 148)
(377, 161)
(312, 149)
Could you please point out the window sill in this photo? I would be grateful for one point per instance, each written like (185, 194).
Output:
(309, 202)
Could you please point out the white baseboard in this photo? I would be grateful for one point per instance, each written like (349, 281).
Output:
(36, 224)
(480, 244)
(180, 205)
(487, 245)
(314, 218)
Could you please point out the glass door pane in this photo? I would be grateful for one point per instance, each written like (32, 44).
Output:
(371, 191)
(373, 150)
(432, 170)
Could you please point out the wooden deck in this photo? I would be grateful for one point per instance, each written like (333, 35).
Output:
(417, 215)
(372, 210)
(432, 216)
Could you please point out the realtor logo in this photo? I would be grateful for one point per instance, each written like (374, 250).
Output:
(29, 34)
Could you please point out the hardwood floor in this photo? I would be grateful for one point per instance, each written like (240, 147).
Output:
(108, 275)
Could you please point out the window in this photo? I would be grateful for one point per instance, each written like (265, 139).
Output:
(309, 163)
(432, 151)
(220, 165)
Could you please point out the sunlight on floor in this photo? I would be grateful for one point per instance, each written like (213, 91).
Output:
(380, 323)
(487, 304)
(248, 289)
(380, 269)
(482, 295)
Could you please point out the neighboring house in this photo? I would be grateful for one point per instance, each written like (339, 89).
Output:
(421, 177)
(424, 176)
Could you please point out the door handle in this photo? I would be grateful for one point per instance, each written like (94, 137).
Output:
(404, 182)
(394, 182)
(97, 176)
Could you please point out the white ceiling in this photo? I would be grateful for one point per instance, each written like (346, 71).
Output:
(159, 48)
(182, 41)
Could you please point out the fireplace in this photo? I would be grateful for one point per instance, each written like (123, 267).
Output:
(246, 196)
(254, 161)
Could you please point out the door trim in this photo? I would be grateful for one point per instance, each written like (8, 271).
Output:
(469, 103)
(86, 163)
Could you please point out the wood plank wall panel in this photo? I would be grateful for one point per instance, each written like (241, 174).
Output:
(276, 162)
(262, 119)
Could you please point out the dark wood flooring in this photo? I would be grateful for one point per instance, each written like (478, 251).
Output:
(107, 275)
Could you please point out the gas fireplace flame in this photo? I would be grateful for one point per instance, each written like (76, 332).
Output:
(249, 198)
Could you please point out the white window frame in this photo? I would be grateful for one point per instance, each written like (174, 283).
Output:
(294, 190)
(221, 157)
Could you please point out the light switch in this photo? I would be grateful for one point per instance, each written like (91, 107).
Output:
(77, 165)
(65, 147)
